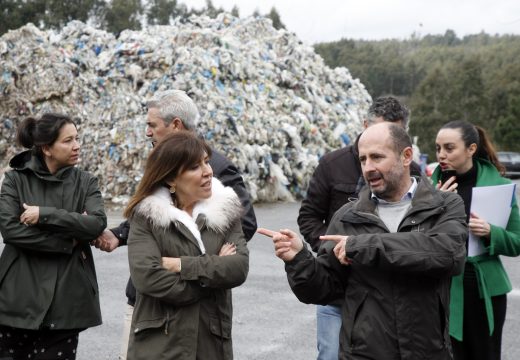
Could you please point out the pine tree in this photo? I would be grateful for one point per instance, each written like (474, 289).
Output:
(161, 12)
(16, 13)
(235, 12)
(59, 12)
(275, 18)
(122, 15)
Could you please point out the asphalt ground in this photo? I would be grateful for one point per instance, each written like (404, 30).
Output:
(268, 321)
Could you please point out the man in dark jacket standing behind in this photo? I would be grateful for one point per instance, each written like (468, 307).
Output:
(170, 111)
(390, 254)
(336, 181)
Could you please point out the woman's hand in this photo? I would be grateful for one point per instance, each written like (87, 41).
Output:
(478, 226)
(449, 185)
(172, 264)
(228, 249)
(31, 215)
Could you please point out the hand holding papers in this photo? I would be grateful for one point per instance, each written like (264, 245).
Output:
(492, 203)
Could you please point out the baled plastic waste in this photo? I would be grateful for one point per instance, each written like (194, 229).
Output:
(266, 99)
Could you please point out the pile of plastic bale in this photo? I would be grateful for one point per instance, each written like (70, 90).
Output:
(266, 99)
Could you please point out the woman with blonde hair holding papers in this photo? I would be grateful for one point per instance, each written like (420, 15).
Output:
(478, 296)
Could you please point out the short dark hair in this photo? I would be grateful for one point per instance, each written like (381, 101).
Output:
(390, 109)
(400, 138)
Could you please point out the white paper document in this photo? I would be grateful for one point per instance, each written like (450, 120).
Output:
(493, 204)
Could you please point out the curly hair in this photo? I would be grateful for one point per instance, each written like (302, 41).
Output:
(390, 109)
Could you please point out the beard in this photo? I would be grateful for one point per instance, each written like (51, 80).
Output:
(391, 182)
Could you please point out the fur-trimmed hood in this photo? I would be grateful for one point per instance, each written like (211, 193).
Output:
(221, 210)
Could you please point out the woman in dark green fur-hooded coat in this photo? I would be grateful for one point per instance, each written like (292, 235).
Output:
(186, 251)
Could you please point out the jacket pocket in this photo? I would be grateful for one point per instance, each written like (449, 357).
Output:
(85, 269)
(443, 324)
(220, 328)
(353, 322)
(495, 276)
(153, 324)
(6, 261)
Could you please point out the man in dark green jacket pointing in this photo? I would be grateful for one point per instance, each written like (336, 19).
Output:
(390, 255)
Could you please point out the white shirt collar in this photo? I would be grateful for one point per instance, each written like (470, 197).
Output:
(407, 196)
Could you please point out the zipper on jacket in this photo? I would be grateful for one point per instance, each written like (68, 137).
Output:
(167, 322)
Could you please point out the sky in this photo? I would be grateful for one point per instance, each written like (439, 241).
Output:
(330, 20)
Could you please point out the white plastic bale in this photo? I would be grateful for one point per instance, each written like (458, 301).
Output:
(266, 99)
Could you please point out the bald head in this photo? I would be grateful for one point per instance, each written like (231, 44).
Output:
(385, 153)
(378, 133)
(387, 131)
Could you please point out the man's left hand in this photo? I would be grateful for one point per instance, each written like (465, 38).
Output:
(340, 250)
(107, 241)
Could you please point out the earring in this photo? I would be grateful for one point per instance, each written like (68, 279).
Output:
(172, 189)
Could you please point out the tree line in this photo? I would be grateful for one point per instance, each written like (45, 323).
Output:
(441, 78)
(113, 15)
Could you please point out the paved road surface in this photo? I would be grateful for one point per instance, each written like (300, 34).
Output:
(269, 322)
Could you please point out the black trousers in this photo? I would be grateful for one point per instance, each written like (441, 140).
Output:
(477, 344)
(17, 344)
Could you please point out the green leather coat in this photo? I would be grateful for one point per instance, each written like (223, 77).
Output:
(46, 281)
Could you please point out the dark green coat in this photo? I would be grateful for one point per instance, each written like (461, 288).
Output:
(45, 281)
(491, 275)
(396, 291)
(186, 315)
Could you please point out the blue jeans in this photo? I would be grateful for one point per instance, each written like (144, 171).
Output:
(328, 326)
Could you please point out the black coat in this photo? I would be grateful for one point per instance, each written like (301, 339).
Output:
(334, 183)
(396, 291)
